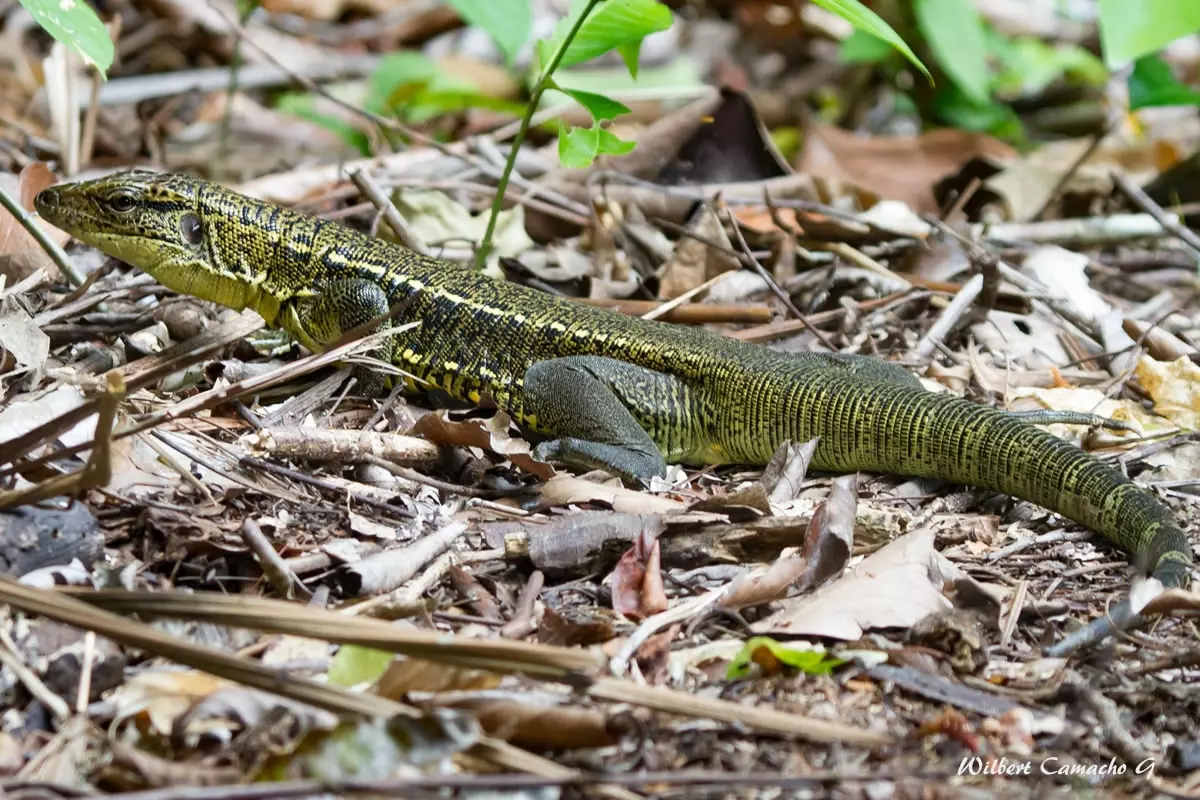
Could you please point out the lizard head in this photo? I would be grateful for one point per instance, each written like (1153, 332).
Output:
(157, 223)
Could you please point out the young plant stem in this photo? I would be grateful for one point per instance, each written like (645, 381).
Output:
(545, 80)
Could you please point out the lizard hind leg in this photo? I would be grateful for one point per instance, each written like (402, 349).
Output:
(584, 403)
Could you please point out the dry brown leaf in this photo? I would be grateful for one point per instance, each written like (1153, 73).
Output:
(1175, 388)
(696, 261)
(489, 434)
(535, 725)
(827, 546)
(564, 490)
(637, 582)
(20, 253)
(405, 675)
(895, 587)
(328, 10)
(901, 168)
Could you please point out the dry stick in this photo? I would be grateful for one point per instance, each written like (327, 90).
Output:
(950, 317)
(523, 622)
(9, 657)
(205, 400)
(98, 469)
(384, 572)
(56, 253)
(325, 486)
(164, 363)
(1097, 138)
(273, 566)
(674, 303)
(70, 611)
(1169, 222)
(772, 284)
(407, 235)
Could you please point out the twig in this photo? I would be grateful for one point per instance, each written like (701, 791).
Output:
(950, 317)
(676, 302)
(56, 253)
(1097, 138)
(407, 235)
(1169, 222)
(385, 572)
(273, 566)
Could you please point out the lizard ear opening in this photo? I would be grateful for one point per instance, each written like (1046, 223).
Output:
(189, 226)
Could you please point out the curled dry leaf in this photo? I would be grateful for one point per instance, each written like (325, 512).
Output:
(827, 546)
(637, 582)
(535, 722)
(904, 168)
(20, 253)
(490, 434)
(892, 588)
(1175, 388)
(564, 490)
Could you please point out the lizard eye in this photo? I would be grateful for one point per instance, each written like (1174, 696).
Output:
(122, 203)
(189, 226)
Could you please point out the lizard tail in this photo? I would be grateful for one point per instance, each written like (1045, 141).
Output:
(882, 427)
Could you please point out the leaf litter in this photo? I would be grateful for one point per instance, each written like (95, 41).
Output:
(483, 601)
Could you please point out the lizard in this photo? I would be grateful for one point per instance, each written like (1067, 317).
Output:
(600, 389)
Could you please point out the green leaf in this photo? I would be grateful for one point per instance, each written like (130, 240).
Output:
(1028, 65)
(304, 106)
(612, 145)
(1152, 84)
(1130, 29)
(509, 22)
(810, 662)
(404, 69)
(612, 25)
(75, 24)
(864, 19)
(954, 107)
(601, 107)
(954, 31)
(353, 664)
(577, 147)
(864, 48)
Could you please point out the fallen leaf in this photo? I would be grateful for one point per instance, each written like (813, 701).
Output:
(895, 587)
(1175, 388)
(490, 434)
(637, 583)
(903, 168)
(20, 253)
(564, 490)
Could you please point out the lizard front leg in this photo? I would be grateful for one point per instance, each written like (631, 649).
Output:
(591, 405)
(340, 306)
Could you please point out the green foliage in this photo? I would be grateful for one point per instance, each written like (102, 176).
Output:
(864, 19)
(75, 24)
(810, 662)
(1152, 84)
(954, 32)
(1130, 29)
(303, 105)
(863, 48)
(619, 25)
(353, 665)
(410, 86)
(1028, 65)
(508, 22)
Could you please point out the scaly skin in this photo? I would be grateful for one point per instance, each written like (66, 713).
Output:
(607, 390)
